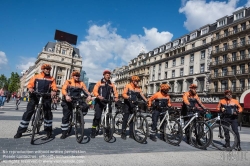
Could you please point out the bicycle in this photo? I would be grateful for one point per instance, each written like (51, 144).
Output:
(76, 119)
(167, 125)
(107, 122)
(201, 130)
(38, 116)
(140, 123)
(219, 128)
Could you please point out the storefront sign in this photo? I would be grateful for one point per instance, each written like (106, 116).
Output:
(203, 99)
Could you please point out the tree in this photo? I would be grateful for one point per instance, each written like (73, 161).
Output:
(14, 82)
(3, 81)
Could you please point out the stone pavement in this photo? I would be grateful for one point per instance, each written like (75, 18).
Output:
(96, 151)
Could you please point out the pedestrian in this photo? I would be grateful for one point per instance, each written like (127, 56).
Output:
(18, 100)
(1, 97)
(4, 95)
(54, 102)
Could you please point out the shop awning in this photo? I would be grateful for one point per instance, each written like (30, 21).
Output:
(210, 106)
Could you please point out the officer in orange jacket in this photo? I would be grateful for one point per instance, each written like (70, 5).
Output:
(231, 108)
(42, 83)
(190, 99)
(103, 89)
(130, 93)
(161, 99)
(72, 88)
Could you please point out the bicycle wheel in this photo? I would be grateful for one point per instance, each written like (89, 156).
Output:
(173, 132)
(79, 126)
(118, 123)
(150, 122)
(200, 134)
(35, 123)
(140, 128)
(70, 124)
(108, 127)
(40, 121)
(219, 137)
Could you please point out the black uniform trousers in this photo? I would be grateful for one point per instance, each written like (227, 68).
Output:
(233, 121)
(48, 116)
(99, 107)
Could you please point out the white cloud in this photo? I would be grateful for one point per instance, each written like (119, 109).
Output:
(103, 48)
(3, 59)
(248, 3)
(25, 63)
(199, 13)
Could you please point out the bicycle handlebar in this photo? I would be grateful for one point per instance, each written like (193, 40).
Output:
(41, 94)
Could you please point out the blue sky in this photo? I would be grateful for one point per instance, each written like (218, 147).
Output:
(110, 32)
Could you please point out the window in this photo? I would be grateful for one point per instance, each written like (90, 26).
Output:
(202, 67)
(243, 26)
(224, 71)
(166, 75)
(162, 49)
(216, 86)
(204, 31)
(233, 85)
(242, 41)
(191, 57)
(203, 54)
(189, 82)
(193, 45)
(242, 54)
(58, 80)
(242, 68)
(216, 49)
(176, 43)
(225, 47)
(174, 62)
(49, 49)
(193, 35)
(242, 84)
(149, 54)
(63, 52)
(216, 59)
(235, 30)
(159, 67)
(173, 73)
(48, 56)
(153, 77)
(217, 35)
(183, 40)
(204, 41)
(201, 83)
(226, 33)
(215, 73)
(168, 46)
(221, 23)
(182, 60)
(234, 56)
(156, 51)
(233, 70)
(159, 76)
(62, 59)
(181, 72)
(153, 68)
(224, 85)
(166, 65)
(239, 15)
(179, 87)
(224, 58)
(191, 70)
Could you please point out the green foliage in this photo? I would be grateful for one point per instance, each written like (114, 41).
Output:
(14, 82)
(3, 82)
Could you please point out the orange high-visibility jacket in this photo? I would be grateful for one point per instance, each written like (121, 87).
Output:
(131, 91)
(229, 104)
(42, 83)
(105, 89)
(191, 100)
(160, 98)
(74, 88)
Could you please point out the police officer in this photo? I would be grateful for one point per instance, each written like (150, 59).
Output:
(190, 98)
(161, 99)
(130, 93)
(103, 89)
(42, 83)
(231, 108)
(72, 87)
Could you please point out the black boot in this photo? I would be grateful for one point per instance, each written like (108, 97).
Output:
(153, 138)
(64, 134)
(227, 145)
(131, 135)
(162, 137)
(49, 134)
(123, 136)
(18, 135)
(238, 146)
(93, 132)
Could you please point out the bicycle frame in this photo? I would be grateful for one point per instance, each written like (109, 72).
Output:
(195, 115)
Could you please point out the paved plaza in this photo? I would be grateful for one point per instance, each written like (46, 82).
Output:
(98, 152)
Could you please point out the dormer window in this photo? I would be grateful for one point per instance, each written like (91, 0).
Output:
(183, 40)
(149, 54)
(162, 48)
(193, 35)
(168, 46)
(239, 15)
(204, 31)
(76, 56)
(222, 22)
(176, 43)
(155, 51)
(50, 49)
(63, 52)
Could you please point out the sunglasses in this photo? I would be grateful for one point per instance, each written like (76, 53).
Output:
(47, 69)
(77, 75)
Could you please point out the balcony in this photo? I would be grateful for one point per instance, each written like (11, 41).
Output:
(233, 89)
(230, 33)
(230, 73)
(230, 47)
(230, 60)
